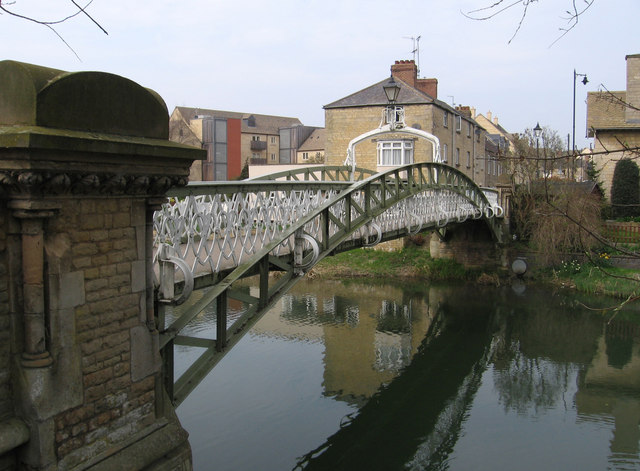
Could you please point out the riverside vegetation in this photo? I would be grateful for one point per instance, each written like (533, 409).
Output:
(597, 276)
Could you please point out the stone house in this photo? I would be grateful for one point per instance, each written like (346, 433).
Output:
(613, 120)
(462, 139)
(234, 139)
(312, 149)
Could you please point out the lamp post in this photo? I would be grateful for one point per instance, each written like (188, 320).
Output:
(573, 139)
(536, 132)
(392, 90)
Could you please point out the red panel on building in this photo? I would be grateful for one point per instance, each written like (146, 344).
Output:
(234, 156)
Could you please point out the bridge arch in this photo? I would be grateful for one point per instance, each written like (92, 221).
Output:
(337, 173)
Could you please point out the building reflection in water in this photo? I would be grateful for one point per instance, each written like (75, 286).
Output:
(371, 333)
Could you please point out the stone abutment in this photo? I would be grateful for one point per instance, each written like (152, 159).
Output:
(84, 161)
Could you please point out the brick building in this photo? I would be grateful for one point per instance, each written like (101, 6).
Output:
(613, 120)
(462, 139)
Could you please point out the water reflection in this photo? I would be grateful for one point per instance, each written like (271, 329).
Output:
(438, 377)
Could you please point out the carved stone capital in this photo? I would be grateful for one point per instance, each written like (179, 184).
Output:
(42, 183)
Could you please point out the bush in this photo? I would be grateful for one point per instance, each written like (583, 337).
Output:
(625, 189)
(564, 224)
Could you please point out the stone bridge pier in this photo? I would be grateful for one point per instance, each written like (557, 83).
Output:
(471, 244)
(84, 161)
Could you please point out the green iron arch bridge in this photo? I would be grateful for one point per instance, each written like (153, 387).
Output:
(212, 235)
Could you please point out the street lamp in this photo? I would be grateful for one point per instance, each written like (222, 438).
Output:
(392, 90)
(394, 115)
(573, 139)
(536, 132)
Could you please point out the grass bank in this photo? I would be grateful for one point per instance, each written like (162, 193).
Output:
(595, 279)
(416, 263)
(410, 262)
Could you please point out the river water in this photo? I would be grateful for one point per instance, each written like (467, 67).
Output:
(368, 376)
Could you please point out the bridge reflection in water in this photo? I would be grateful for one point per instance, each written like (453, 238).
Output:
(434, 376)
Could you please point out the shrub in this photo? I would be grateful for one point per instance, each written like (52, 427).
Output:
(625, 189)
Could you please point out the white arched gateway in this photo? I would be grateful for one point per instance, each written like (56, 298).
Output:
(395, 124)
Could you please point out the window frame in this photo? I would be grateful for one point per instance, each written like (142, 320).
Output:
(395, 148)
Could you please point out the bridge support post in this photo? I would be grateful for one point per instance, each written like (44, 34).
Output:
(470, 244)
(84, 160)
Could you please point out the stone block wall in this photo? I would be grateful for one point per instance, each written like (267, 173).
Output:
(96, 252)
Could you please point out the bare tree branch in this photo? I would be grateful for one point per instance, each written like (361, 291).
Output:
(499, 7)
(50, 24)
(572, 20)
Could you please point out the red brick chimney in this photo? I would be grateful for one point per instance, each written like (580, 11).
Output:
(407, 71)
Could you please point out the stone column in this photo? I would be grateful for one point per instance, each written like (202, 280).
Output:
(35, 353)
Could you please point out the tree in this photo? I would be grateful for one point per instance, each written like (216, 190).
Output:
(625, 189)
(535, 158)
(547, 202)
(575, 10)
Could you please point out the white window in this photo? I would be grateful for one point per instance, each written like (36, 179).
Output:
(273, 140)
(445, 152)
(469, 130)
(457, 156)
(468, 159)
(255, 138)
(305, 156)
(458, 123)
(395, 152)
(445, 119)
(273, 157)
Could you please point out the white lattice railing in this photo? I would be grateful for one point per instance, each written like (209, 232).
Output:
(211, 232)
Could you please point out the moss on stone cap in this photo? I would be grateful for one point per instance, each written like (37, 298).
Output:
(84, 101)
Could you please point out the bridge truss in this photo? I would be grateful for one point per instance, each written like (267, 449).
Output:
(214, 235)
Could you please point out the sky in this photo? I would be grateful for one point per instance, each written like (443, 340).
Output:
(292, 57)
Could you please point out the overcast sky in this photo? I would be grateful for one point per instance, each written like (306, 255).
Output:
(292, 57)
